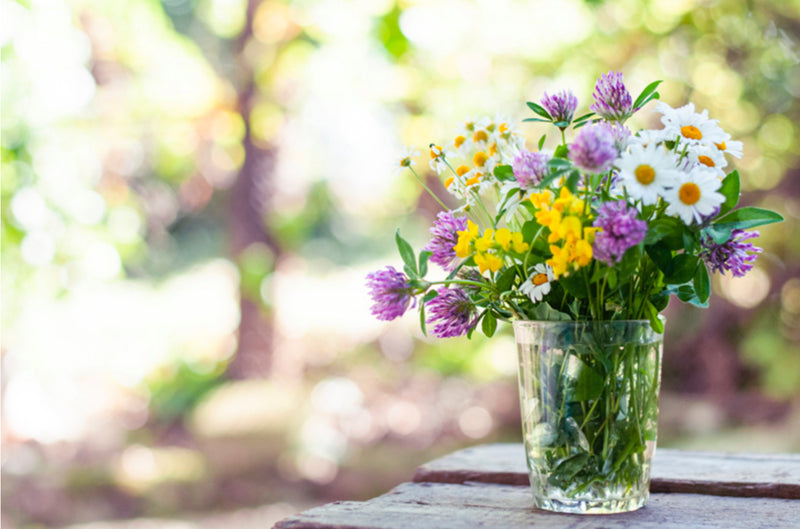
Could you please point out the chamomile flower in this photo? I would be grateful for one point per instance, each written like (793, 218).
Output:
(647, 136)
(537, 286)
(438, 157)
(646, 171)
(709, 156)
(689, 126)
(406, 159)
(734, 148)
(694, 195)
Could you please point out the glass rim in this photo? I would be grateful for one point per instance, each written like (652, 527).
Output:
(521, 322)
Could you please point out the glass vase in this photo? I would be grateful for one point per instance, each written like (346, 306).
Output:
(589, 402)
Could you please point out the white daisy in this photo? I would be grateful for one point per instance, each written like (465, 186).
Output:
(438, 157)
(734, 148)
(694, 195)
(709, 156)
(647, 136)
(537, 285)
(689, 126)
(647, 171)
(406, 159)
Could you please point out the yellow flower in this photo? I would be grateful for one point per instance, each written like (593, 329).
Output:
(589, 233)
(482, 244)
(548, 218)
(518, 244)
(542, 200)
(559, 262)
(581, 254)
(465, 237)
(569, 227)
(503, 238)
(488, 261)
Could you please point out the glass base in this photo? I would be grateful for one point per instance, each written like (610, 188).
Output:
(590, 505)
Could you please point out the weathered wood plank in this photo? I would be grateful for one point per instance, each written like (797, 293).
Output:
(746, 475)
(471, 505)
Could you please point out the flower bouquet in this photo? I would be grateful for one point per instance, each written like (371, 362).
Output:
(580, 248)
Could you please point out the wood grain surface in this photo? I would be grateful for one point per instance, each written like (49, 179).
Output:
(745, 475)
(488, 505)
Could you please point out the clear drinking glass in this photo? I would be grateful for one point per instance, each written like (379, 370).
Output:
(589, 401)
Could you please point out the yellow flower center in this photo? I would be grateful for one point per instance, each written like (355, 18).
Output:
(480, 135)
(689, 193)
(645, 174)
(539, 279)
(473, 180)
(448, 182)
(462, 170)
(436, 151)
(405, 162)
(459, 141)
(503, 128)
(493, 149)
(480, 158)
(691, 132)
(721, 146)
(705, 160)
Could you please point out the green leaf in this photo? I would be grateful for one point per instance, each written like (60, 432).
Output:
(748, 217)
(423, 262)
(542, 140)
(561, 151)
(489, 324)
(652, 315)
(585, 383)
(720, 235)
(647, 94)
(583, 118)
(574, 285)
(529, 230)
(504, 172)
(662, 228)
(429, 295)
(543, 311)
(702, 283)
(561, 124)
(537, 119)
(407, 254)
(539, 110)
(410, 272)
(558, 163)
(506, 279)
(661, 256)
(730, 190)
(572, 181)
(682, 270)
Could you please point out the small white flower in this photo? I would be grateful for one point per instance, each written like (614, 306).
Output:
(710, 156)
(647, 171)
(406, 159)
(689, 126)
(537, 285)
(734, 148)
(438, 157)
(646, 137)
(694, 195)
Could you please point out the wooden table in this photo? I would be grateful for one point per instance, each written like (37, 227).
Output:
(487, 487)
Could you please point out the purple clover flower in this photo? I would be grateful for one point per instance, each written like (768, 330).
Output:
(530, 167)
(444, 238)
(612, 99)
(452, 312)
(620, 133)
(561, 106)
(390, 293)
(593, 149)
(732, 255)
(620, 230)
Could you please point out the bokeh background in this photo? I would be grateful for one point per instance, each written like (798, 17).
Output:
(194, 190)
